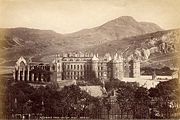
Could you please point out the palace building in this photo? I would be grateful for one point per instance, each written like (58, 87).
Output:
(77, 66)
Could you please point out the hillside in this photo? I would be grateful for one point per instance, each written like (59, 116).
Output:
(155, 49)
(38, 44)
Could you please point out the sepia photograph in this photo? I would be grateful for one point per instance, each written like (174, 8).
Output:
(89, 59)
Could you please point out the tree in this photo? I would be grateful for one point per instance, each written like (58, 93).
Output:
(125, 97)
(113, 84)
(107, 103)
(165, 96)
(96, 108)
(70, 101)
(75, 101)
(20, 91)
(142, 102)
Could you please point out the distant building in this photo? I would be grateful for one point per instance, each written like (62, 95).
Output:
(77, 66)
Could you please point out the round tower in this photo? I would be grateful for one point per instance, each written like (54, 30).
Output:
(95, 66)
(117, 67)
(121, 68)
(57, 68)
(136, 68)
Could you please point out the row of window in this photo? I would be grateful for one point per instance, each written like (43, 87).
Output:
(73, 78)
(81, 74)
(71, 59)
(76, 73)
(77, 67)
(83, 66)
(80, 67)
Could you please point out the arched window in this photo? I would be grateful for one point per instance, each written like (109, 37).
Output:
(22, 64)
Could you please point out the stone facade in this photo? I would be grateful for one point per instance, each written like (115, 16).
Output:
(89, 66)
(78, 66)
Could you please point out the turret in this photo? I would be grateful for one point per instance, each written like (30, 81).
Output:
(107, 57)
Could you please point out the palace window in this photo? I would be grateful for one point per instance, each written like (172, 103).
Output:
(78, 67)
(71, 66)
(101, 68)
(84, 67)
(67, 66)
(87, 67)
(63, 66)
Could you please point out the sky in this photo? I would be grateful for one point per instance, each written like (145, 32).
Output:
(67, 16)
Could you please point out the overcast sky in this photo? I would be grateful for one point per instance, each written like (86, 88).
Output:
(66, 16)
